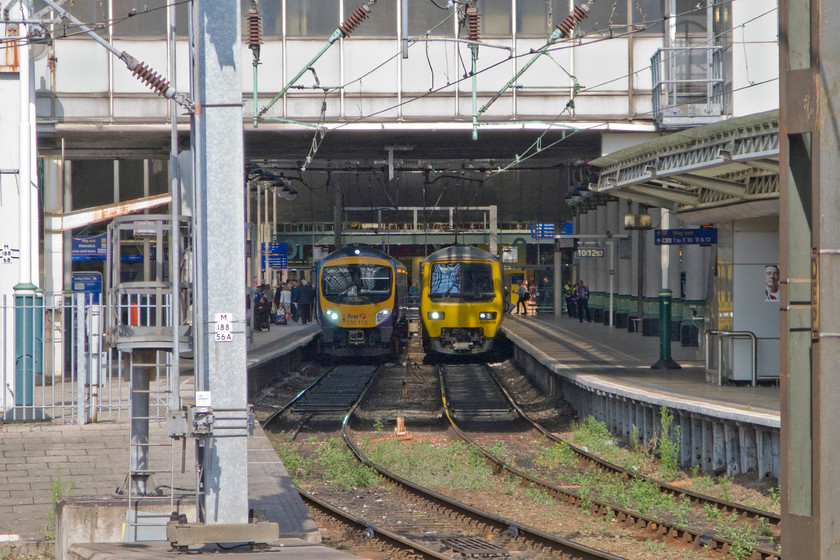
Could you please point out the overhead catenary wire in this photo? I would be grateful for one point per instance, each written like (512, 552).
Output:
(139, 69)
(590, 88)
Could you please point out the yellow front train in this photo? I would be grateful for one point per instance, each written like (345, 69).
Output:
(461, 302)
(361, 302)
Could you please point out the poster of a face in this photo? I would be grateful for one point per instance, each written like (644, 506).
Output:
(771, 282)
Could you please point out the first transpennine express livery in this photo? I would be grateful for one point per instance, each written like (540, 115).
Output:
(361, 302)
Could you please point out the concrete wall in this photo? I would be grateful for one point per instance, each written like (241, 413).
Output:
(91, 520)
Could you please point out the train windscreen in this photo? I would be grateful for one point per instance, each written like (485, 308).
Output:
(461, 281)
(356, 284)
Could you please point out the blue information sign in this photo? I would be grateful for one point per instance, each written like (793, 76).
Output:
(543, 230)
(89, 248)
(277, 255)
(690, 236)
(88, 283)
(567, 228)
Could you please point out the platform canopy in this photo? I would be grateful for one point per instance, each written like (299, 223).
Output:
(712, 173)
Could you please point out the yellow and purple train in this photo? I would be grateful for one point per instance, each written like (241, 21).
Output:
(361, 303)
(461, 303)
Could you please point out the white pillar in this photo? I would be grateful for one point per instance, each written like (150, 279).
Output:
(601, 265)
(24, 165)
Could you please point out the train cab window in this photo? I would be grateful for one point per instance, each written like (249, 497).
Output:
(465, 281)
(356, 283)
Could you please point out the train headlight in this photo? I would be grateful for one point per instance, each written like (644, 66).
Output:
(382, 314)
(332, 315)
(487, 315)
(435, 315)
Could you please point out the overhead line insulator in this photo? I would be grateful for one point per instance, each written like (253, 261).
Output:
(254, 28)
(473, 23)
(353, 20)
(151, 78)
(573, 19)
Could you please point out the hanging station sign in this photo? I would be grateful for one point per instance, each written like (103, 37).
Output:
(689, 236)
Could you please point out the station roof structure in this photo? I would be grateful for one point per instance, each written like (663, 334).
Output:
(717, 172)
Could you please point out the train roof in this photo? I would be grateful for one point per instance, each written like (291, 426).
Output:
(357, 250)
(457, 252)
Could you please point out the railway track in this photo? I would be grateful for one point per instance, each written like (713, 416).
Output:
(327, 399)
(695, 497)
(471, 409)
(416, 521)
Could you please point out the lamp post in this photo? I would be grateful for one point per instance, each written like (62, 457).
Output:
(665, 361)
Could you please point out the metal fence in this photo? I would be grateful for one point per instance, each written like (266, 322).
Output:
(55, 362)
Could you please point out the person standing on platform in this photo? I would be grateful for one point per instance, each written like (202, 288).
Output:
(285, 301)
(269, 294)
(294, 293)
(524, 294)
(569, 294)
(306, 297)
(546, 293)
(582, 298)
(278, 292)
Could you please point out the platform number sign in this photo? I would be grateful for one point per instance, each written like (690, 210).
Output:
(224, 327)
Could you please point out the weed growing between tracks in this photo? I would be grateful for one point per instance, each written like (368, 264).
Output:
(331, 460)
(454, 465)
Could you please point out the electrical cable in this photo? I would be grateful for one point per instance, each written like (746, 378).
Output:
(492, 66)
(438, 5)
(519, 160)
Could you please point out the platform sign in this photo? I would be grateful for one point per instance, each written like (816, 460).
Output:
(89, 248)
(591, 253)
(87, 283)
(567, 228)
(278, 254)
(689, 236)
(542, 230)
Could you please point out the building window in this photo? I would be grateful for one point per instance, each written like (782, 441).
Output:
(428, 16)
(495, 17)
(139, 18)
(534, 17)
(93, 13)
(605, 17)
(648, 16)
(311, 18)
(382, 21)
(691, 20)
(271, 12)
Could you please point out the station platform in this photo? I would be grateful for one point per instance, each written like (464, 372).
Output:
(90, 462)
(606, 372)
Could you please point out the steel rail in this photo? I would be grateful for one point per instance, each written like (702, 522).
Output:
(725, 505)
(371, 530)
(274, 415)
(597, 507)
(532, 534)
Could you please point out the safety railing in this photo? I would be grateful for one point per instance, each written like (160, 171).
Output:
(687, 85)
(56, 364)
(721, 335)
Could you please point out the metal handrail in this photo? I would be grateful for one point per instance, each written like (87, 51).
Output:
(732, 334)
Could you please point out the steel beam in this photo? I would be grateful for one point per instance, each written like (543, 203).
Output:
(809, 251)
(220, 250)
